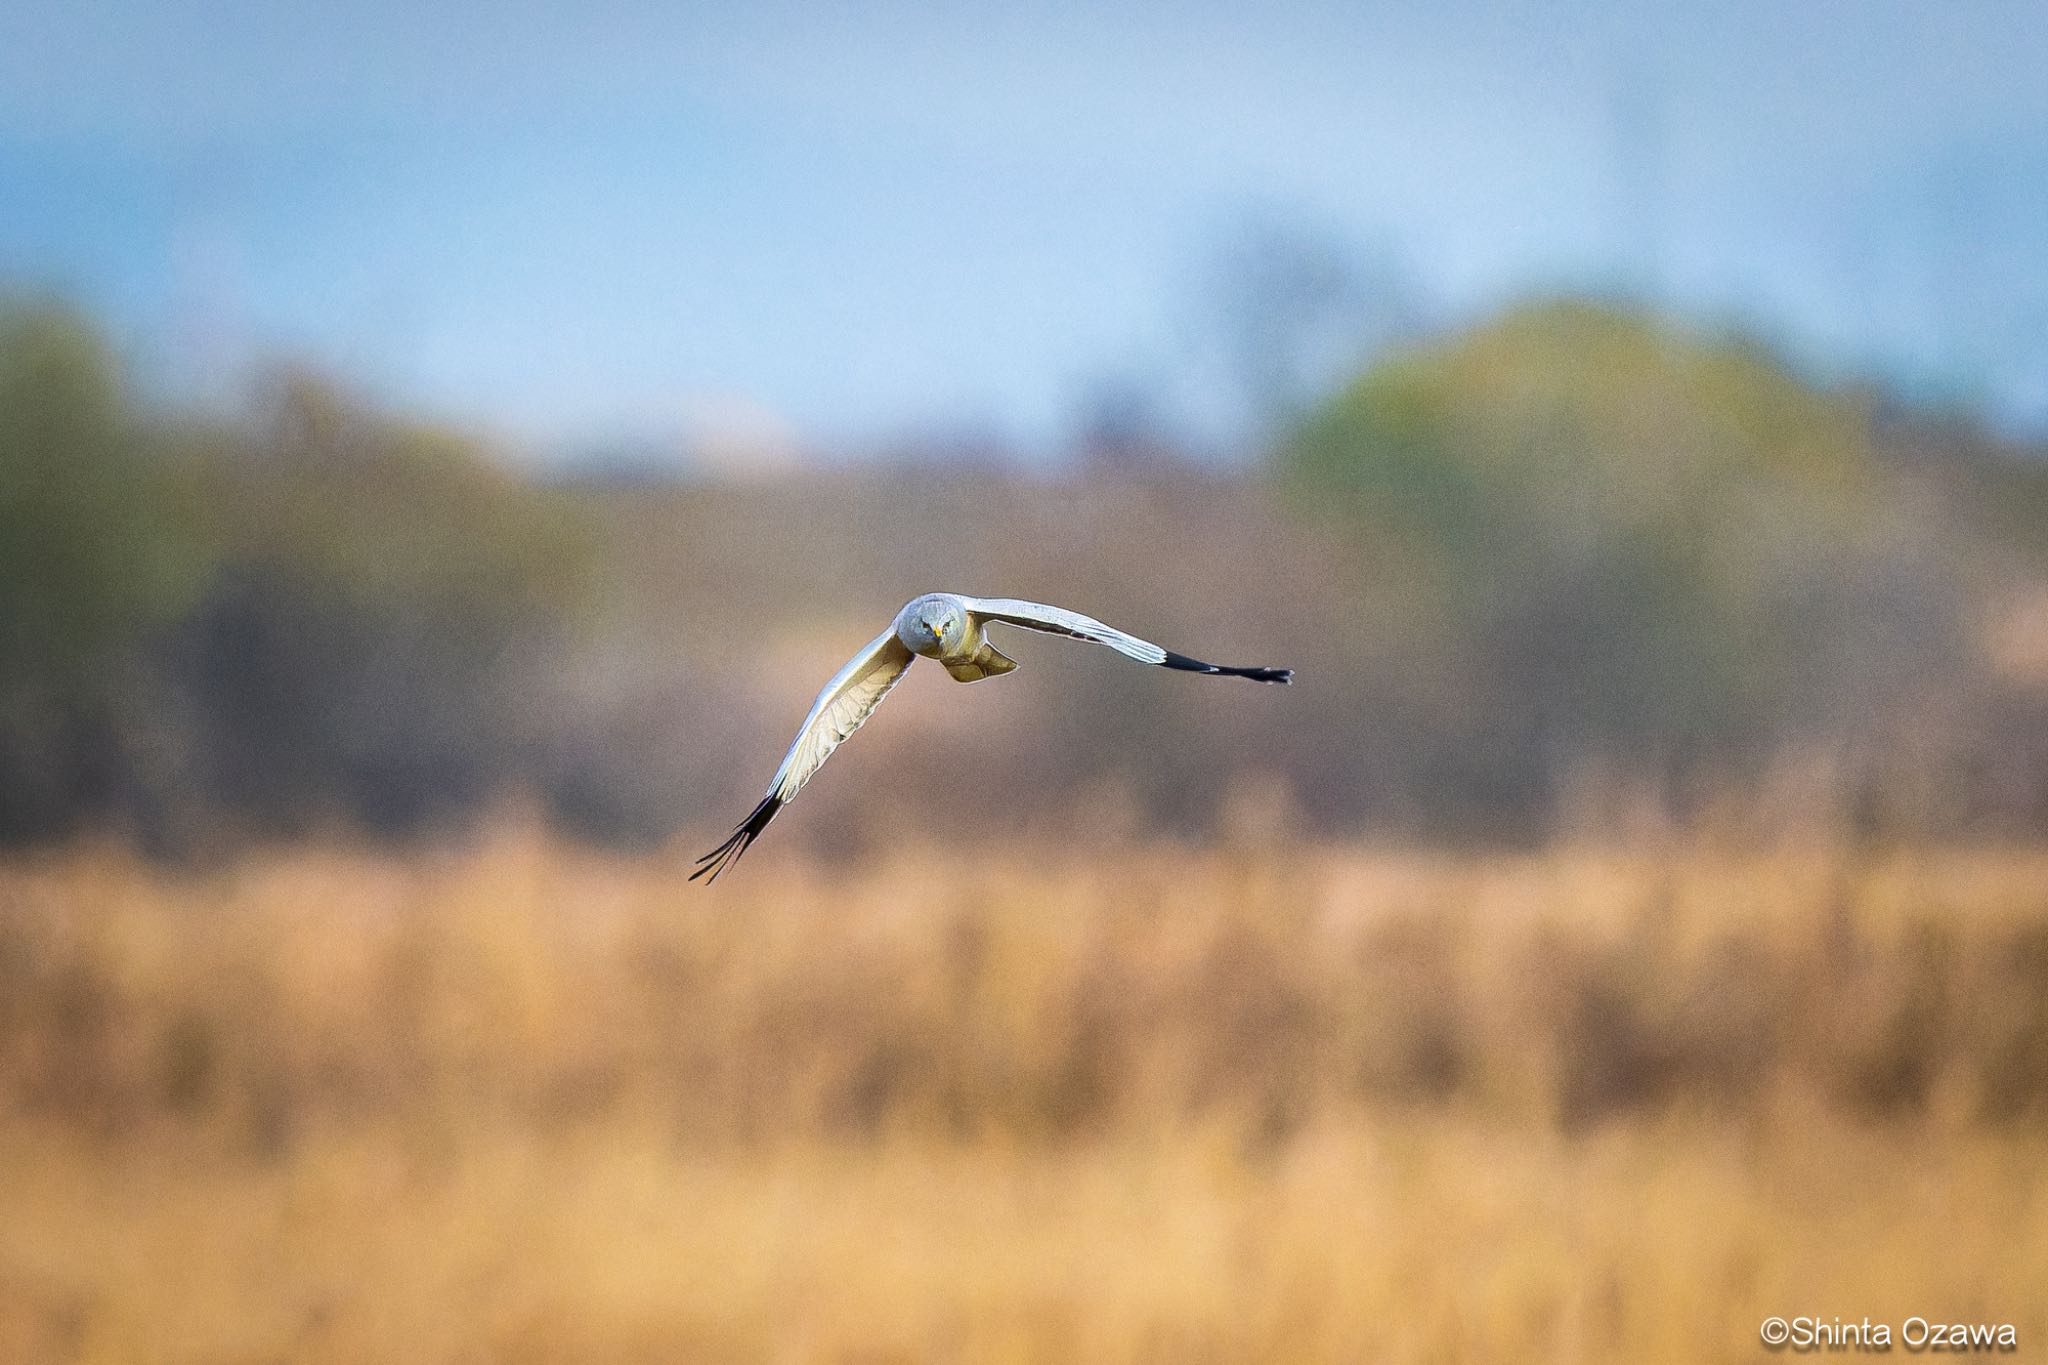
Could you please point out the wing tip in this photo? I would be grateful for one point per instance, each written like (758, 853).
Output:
(712, 864)
(1283, 676)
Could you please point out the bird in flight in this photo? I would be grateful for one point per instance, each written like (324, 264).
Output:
(954, 630)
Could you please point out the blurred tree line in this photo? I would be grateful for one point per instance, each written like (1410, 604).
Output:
(316, 617)
(1573, 549)
(1650, 551)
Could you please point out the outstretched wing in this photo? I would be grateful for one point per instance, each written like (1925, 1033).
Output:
(1060, 621)
(843, 707)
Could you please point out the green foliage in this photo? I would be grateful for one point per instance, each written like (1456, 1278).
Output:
(95, 544)
(1634, 534)
(1565, 427)
(97, 553)
(329, 617)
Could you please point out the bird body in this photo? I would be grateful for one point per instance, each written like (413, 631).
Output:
(953, 630)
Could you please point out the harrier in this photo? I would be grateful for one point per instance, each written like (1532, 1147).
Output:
(954, 630)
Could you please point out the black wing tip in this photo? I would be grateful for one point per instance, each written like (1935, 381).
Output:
(1282, 676)
(737, 843)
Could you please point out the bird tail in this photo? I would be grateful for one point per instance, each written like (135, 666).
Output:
(986, 663)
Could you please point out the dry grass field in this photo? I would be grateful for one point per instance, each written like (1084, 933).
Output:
(524, 1102)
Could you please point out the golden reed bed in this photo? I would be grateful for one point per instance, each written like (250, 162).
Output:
(526, 1102)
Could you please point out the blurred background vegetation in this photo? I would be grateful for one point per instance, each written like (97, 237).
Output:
(440, 461)
(1573, 565)
(1630, 925)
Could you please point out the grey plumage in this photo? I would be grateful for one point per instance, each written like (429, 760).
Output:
(952, 629)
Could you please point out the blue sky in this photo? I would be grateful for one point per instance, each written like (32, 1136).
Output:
(831, 224)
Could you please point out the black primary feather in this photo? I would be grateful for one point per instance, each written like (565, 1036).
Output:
(728, 853)
(1266, 675)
